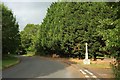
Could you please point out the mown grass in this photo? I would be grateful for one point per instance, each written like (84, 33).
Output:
(93, 64)
(8, 61)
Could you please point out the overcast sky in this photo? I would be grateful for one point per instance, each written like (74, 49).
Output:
(28, 12)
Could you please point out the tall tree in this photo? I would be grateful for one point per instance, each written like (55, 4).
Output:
(111, 31)
(10, 31)
(68, 26)
(29, 36)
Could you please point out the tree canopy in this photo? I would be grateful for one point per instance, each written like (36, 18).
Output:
(69, 25)
(10, 31)
(111, 35)
(29, 36)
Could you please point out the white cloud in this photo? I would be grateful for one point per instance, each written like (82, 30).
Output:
(28, 12)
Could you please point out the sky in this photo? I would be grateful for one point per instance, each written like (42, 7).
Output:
(28, 12)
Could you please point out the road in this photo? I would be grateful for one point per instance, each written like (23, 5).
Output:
(36, 67)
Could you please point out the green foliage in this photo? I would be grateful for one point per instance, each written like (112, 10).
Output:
(111, 34)
(68, 25)
(10, 31)
(28, 37)
(110, 31)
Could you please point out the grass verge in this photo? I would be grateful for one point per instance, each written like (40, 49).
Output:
(8, 61)
(93, 64)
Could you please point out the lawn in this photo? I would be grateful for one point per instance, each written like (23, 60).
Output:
(9, 61)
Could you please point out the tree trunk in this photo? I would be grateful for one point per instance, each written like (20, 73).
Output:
(95, 57)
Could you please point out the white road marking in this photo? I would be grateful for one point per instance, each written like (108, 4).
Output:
(94, 76)
(88, 72)
(82, 71)
(87, 76)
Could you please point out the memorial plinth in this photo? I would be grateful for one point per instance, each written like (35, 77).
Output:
(86, 61)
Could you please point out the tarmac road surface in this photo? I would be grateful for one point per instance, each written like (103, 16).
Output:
(36, 67)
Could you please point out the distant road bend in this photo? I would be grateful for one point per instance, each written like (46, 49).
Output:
(36, 67)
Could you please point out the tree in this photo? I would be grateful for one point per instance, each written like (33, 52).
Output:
(68, 25)
(10, 31)
(111, 31)
(28, 37)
